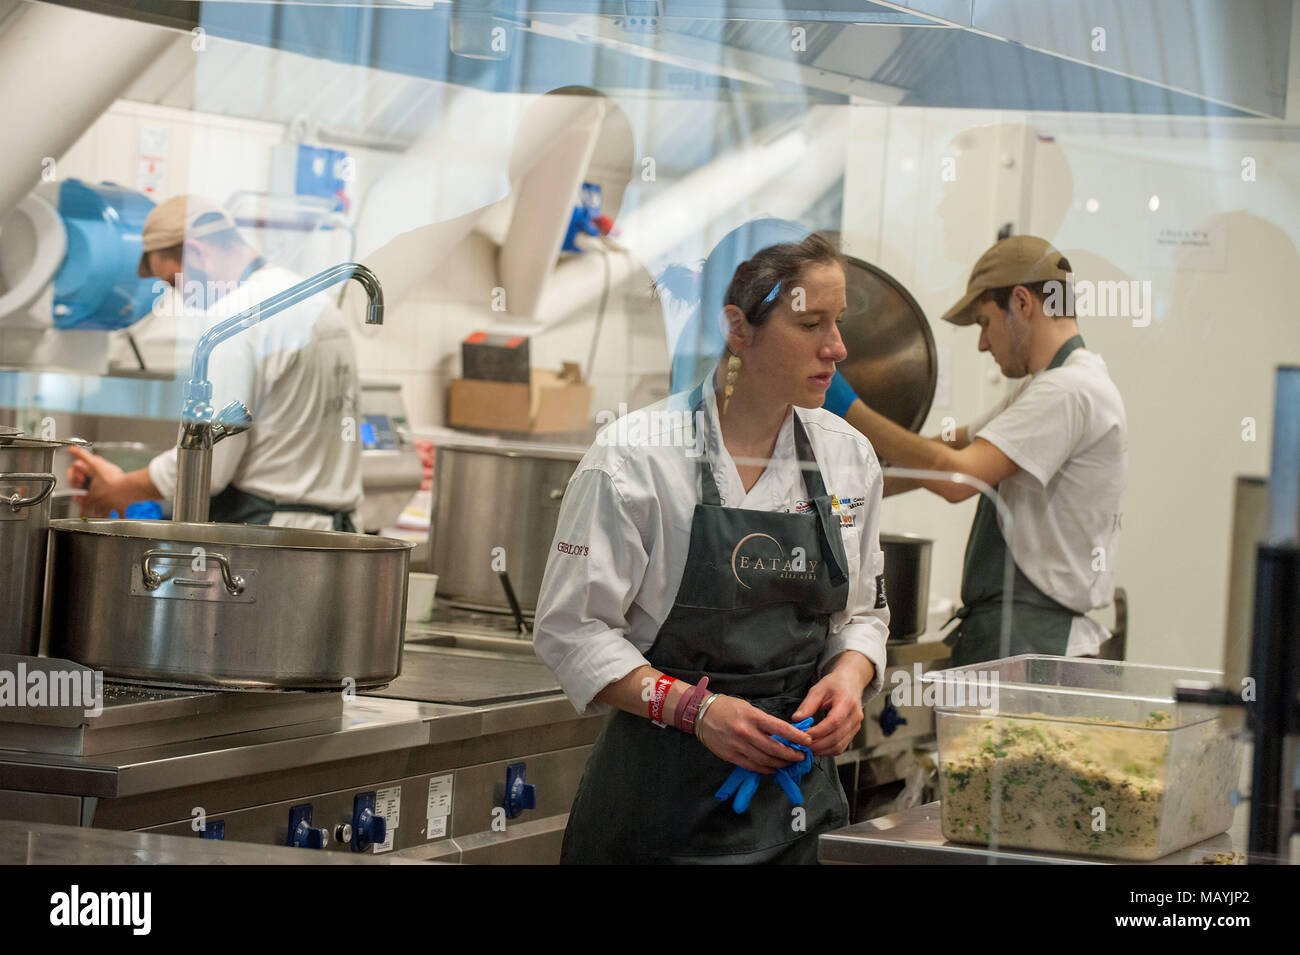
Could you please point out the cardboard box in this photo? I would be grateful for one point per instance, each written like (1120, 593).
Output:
(552, 402)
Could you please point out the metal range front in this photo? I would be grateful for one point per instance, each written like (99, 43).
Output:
(510, 810)
(487, 778)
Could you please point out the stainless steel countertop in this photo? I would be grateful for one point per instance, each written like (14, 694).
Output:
(369, 725)
(33, 843)
(366, 725)
(913, 837)
(510, 690)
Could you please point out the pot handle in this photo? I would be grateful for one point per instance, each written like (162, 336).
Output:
(234, 584)
(15, 500)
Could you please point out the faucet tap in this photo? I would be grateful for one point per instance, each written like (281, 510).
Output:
(201, 427)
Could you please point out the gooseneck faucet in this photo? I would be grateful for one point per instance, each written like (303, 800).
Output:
(201, 427)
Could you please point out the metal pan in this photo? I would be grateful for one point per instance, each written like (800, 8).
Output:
(227, 606)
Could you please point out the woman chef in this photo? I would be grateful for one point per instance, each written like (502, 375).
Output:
(715, 575)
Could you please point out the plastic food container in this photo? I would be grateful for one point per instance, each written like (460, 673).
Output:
(1083, 757)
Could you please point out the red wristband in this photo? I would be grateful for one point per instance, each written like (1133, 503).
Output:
(660, 695)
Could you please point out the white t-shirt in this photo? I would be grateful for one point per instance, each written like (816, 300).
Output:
(297, 373)
(624, 531)
(1066, 430)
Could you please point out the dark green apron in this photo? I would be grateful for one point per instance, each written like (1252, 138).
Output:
(756, 626)
(1039, 624)
(233, 506)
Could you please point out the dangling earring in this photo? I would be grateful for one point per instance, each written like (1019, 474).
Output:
(733, 372)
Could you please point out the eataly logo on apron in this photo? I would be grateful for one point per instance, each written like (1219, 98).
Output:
(758, 560)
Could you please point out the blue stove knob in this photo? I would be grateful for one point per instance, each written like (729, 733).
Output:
(519, 795)
(302, 834)
(214, 830)
(367, 828)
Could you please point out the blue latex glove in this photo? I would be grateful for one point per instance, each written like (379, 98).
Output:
(839, 396)
(743, 783)
(788, 777)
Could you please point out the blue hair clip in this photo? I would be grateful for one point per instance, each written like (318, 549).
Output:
(771, 296)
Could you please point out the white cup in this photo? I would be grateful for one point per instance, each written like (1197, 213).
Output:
(421, 596)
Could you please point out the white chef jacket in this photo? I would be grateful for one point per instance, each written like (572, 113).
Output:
(624, 531)
(297, 373)
(1066, 429)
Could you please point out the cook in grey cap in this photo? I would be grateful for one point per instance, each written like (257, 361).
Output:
(1055, 450)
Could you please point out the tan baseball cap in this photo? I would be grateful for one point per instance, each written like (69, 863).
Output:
(1018, 260)
(172, 222)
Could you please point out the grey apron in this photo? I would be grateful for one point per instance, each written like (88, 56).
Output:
(756, 626)
(233, 506)
(1039, 624)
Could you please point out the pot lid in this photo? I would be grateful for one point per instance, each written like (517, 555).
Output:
(14, 438)
(892, 362)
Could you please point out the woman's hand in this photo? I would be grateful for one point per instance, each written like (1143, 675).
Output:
(839, 691)
(739, 733)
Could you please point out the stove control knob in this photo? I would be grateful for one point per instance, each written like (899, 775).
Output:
(516, 795)
(302, 834)
(367, 828)
(216, 829)
(343, 833)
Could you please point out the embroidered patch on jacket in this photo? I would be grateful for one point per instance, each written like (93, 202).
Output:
(880, 592)
(841, 507)
(576, 550)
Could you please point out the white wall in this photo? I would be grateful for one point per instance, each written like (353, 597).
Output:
(212, 155)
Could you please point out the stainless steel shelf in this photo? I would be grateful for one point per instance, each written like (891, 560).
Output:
(29, 843)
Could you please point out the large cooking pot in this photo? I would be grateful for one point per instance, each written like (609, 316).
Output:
(490, 497)
(907, 583)
(26, 482)
(227, 606)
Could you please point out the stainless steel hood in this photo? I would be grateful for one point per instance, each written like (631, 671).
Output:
(1220, 58)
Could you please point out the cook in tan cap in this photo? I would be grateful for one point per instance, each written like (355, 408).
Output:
(1019, 260)
(1054, 449)
(171, 222)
